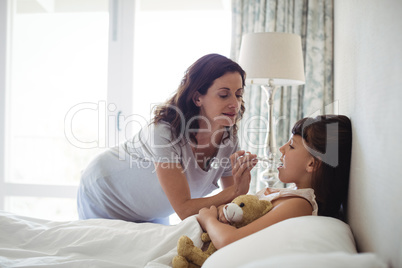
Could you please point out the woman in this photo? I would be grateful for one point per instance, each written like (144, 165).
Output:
(170, 165)
(317, 160)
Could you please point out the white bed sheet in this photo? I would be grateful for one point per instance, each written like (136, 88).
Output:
(308, 241)
(29, 242)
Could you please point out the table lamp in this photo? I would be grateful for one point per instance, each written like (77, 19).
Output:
(272, 59)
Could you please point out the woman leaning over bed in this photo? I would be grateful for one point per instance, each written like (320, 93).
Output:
(166, 166)
(317, 160)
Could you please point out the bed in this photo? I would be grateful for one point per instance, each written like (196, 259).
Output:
(29, 242)
(310, 241)
(371, 239)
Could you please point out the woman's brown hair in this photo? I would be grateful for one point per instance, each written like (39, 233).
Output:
(180, 109)
(328, 138)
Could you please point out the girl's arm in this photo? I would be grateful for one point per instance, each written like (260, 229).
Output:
(222, 234)
(174, 183)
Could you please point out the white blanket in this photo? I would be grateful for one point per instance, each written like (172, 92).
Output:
(29, 242)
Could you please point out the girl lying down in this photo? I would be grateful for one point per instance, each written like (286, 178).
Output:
(316, 159)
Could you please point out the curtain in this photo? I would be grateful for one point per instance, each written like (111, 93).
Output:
(313, 21)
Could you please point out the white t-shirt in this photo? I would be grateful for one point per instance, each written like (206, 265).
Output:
(121, 183)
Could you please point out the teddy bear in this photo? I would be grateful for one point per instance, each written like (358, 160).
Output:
(243, 210)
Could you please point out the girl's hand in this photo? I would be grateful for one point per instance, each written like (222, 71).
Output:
(242, 164)
(206, 214)
(221, 215)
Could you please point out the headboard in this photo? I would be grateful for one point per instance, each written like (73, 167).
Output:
(368, 62)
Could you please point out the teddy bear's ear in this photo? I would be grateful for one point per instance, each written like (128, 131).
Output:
(268, 206)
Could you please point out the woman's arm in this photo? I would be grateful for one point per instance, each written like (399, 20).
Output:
(175, 185)
(223, 234)
(227, 181)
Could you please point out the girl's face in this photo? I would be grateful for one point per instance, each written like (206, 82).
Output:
(221, 105)
(297, 163)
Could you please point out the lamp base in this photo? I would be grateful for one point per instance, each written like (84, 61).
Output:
(270, 180)
(270, 176)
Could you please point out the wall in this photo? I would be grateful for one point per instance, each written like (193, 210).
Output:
(368, 68)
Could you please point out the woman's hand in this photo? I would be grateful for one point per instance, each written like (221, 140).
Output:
(242, 164)
(175, 185)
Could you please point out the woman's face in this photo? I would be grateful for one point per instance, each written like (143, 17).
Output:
(221, 105)
(296, 163)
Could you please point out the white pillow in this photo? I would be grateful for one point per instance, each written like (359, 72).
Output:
(320, 260)
(301, 235)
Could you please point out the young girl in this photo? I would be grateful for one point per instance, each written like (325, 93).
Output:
(317, 160)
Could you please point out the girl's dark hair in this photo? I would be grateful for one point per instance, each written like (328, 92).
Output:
(329, 140)
(180, 109)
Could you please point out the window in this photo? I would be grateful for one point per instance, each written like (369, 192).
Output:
(72, 69)
(58, 58)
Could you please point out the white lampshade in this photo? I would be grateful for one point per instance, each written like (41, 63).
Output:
(276, 56)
